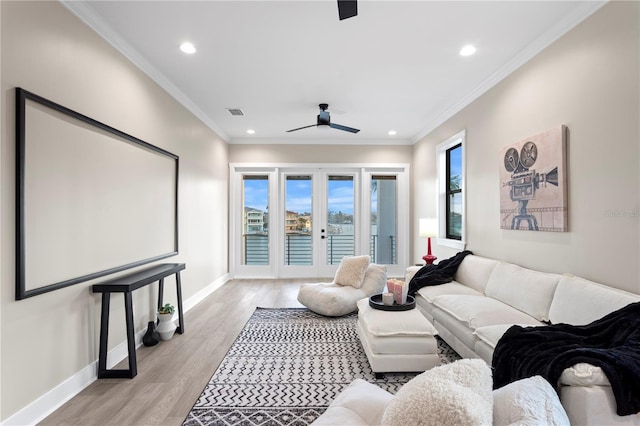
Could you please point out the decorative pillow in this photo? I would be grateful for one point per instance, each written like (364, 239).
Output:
(375, 277)
(454, 394)
(530, 401)
(351, 270)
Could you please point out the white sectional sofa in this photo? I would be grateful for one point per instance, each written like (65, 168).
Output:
(488, 296)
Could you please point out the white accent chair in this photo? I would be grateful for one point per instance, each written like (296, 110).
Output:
(334, 299)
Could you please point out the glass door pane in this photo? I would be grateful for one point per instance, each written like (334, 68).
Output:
(340, 218)
(298, 247)
(255, 220)
(384, 218)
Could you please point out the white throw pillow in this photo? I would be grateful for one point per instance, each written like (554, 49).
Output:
(528, 402)
(351, 270)
(454, 394)
(375, 278)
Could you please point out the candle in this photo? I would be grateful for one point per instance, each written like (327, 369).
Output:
(387, 299)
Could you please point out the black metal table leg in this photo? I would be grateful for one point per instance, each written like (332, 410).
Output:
(104, 334)
(160, 293)
(131, 338)
(179, 296)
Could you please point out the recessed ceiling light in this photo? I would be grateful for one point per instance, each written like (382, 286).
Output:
(251, 131)
(392, 132)
(187, 47)
(467, 50)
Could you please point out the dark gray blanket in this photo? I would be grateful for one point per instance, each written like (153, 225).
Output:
(612, 343)
(438, 274)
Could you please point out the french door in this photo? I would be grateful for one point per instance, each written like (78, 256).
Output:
(299, 222)
(319, 213)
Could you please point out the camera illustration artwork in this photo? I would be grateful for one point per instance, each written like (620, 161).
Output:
(533, 183)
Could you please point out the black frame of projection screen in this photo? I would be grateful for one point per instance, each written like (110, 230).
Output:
(58, 262)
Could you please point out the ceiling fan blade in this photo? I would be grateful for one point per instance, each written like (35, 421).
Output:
(345, 128)
(347, 9)
(300, 128)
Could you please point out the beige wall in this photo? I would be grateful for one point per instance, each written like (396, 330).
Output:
(308, 153)
(45, 49)
(588, 80)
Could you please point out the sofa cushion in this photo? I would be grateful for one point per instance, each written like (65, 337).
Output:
(433, 291)
(574, 294)
(527, 290)
(351, 270)
(530, 401)
(454, 394)
(479, 311)
(474, 272)
(490, 334)
(361, 403)
(399, 323)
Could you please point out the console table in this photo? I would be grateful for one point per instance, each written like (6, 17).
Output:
(127, 284)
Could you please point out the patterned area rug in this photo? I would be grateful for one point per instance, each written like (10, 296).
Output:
(286, 367)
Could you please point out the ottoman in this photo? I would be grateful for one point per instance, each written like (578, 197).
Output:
(396, 341)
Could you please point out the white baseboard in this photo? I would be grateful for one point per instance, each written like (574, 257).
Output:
(39, 409)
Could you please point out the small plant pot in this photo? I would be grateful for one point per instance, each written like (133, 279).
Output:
(166, 328)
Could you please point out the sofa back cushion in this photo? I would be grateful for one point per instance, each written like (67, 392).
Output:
(474, 271)
(524, 289)
(578, 301)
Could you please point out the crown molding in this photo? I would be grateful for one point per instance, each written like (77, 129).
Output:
(534, 48)
(87, 15)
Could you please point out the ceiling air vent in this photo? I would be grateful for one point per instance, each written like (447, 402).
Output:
(235, 111)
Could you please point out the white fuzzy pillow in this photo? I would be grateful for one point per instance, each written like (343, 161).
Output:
(453, 394)
(351, 270)
(528, 402)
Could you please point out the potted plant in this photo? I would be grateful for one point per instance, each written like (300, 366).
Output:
(166, 327)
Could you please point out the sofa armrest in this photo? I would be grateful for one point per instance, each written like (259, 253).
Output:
(361, 403)
(411, 271)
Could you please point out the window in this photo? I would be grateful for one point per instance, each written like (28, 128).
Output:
(453, 214)
(451, 196)
(384, 219)
(255, 220)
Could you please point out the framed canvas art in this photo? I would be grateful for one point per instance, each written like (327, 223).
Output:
(533, 183)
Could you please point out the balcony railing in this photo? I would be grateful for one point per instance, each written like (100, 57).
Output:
(298, 249)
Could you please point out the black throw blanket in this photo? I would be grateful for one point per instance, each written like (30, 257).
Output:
(611, 342)
(438, 274)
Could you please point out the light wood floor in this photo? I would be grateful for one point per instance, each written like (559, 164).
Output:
(172, 374)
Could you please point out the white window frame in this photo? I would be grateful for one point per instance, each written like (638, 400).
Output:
(441, 155)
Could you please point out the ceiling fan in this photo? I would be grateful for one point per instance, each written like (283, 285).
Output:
(324, 119)
(347, 9)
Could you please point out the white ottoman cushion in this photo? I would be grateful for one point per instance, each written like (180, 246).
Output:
(399, 323)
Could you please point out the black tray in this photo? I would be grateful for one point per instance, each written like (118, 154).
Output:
(375, 302)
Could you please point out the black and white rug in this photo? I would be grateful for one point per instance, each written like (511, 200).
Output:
(286, 367)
